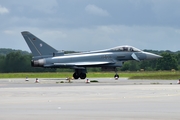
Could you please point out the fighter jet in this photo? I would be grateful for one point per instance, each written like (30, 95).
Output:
(108, 59)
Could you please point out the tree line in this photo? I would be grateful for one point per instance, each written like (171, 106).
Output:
(20, 61)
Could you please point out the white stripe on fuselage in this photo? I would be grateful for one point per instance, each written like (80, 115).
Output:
(82, 55)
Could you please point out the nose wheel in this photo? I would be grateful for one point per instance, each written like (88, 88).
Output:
(116, 76)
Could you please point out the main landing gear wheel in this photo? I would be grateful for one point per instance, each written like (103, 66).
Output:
(76, 75)
(81, 75)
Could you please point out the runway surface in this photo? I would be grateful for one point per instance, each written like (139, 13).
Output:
(108, 99)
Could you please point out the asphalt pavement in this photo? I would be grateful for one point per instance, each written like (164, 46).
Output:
(107, 99)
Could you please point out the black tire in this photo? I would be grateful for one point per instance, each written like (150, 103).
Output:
(83, 75)
(76, 76)
(116, 76)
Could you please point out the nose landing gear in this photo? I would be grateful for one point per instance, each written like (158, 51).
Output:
(116, 76)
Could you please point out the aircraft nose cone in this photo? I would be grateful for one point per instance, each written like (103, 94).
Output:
(152, 56)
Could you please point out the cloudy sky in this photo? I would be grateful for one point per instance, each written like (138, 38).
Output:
(83, 25)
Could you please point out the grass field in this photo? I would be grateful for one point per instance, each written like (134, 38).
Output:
(169, 75)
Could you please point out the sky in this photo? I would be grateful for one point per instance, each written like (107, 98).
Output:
(85, 25)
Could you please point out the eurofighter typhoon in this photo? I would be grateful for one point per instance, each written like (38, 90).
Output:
(109, 59)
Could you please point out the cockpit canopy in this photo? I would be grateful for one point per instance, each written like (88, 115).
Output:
(125, 48)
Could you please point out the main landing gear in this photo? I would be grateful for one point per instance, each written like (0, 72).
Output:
(80, 73)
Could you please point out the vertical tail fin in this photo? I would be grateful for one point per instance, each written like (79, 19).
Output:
(37, 46)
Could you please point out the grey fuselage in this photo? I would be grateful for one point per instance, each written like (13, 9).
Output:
(108, 58)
